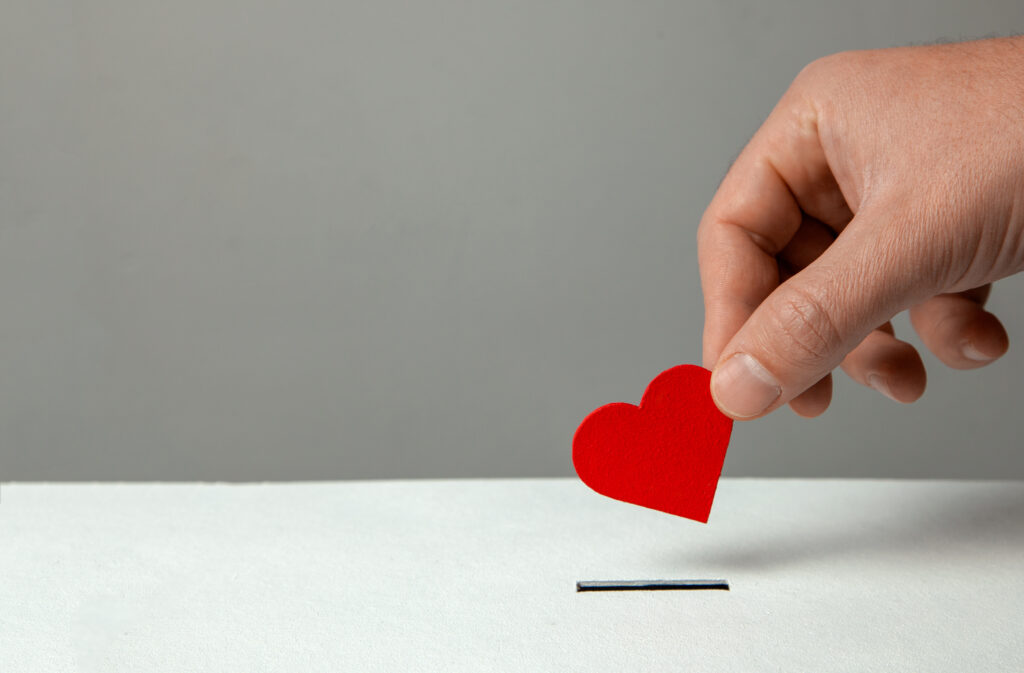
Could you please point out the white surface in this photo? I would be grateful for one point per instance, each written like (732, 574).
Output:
(479, 576)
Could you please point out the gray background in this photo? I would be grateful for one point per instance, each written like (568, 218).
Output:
(336, 239)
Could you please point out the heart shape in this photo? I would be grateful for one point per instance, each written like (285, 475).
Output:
(665, 454)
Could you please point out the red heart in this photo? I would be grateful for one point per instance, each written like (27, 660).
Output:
(666, 454)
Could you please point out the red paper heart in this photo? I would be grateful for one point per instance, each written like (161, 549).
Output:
(666, 454)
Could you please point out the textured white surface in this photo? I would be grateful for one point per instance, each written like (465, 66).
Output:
(479, 576)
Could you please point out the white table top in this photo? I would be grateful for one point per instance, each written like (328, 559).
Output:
(480, 576)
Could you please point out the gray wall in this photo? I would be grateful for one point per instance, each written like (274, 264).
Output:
(336, 239)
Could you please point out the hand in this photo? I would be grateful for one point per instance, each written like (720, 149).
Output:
(882, 181)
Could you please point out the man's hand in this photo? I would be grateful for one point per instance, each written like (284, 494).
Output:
(882, 181)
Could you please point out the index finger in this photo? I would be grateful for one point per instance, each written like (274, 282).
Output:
(782, 174)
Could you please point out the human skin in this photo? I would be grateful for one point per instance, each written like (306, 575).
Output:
(883, 181)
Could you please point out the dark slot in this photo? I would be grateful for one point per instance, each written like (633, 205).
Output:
(653, 585)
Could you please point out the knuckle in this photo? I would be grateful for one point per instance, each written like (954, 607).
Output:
(807, 321)
(827, 67)
(701, 233)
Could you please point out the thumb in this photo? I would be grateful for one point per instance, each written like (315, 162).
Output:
(805, 328)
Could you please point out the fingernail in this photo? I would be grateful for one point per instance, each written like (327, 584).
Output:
(878, 383)
(742, 387)
(972, 353)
